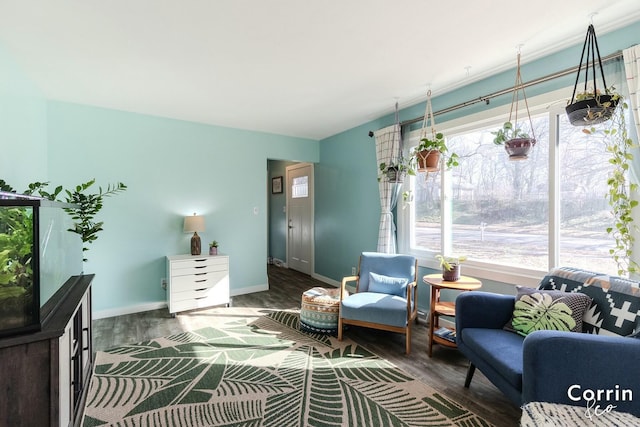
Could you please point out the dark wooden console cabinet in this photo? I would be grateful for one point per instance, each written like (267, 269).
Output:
(44, 375)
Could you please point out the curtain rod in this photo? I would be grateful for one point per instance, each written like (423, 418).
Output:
(487, 98)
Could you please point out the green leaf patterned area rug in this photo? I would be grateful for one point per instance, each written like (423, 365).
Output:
(265, 373)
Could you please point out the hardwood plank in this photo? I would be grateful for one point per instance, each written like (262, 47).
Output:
(445, 371)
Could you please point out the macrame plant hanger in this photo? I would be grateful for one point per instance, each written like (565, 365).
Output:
(515, 99)
(518, 147)
(428, 161)
(396, 157)
(428, 118)
(595, 107)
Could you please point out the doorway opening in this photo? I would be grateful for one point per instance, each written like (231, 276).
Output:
(291, 210)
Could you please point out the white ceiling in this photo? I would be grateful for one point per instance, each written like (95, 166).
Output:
(307, 68)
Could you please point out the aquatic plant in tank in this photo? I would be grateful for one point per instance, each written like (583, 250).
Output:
(19, 306)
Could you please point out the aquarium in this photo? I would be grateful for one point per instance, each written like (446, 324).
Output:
(37, 256)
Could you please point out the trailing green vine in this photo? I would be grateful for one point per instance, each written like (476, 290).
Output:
(619, 144)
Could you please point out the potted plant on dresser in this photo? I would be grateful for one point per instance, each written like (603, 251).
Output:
(213, 248)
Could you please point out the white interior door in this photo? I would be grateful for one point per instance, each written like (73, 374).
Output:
(300, 217)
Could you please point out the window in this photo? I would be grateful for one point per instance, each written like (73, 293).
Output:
(525, 216)
(500, 206)
(300, 187)
(584, 210)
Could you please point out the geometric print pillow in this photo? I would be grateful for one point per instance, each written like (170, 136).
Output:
(615, 307)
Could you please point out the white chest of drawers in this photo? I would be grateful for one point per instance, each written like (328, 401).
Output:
(197, 281)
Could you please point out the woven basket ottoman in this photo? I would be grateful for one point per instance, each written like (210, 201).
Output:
(319, 310)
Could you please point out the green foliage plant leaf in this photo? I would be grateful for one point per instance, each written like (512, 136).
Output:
(507, 133)
(87, 205)
(435, 143)
(540, 311)
(447, 262)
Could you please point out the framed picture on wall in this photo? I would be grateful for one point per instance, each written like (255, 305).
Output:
(276, 185)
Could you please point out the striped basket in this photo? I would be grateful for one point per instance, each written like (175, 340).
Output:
(319, 311)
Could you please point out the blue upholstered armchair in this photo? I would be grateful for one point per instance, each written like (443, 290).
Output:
(386, 295)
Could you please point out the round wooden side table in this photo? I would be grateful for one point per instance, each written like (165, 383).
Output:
(439, 308)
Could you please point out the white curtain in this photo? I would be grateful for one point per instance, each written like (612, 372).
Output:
(631, 58)
(387, 150)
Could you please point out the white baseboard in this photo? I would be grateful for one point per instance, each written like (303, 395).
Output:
(249, 290)
(326, 280)
(121, 311)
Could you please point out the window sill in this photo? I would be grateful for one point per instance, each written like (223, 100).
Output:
(484, 271)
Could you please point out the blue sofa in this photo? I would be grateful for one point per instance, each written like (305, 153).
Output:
(600, 366)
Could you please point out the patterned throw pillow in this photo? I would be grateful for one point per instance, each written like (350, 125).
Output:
(388, 285)
(537, 310)
(615, 310)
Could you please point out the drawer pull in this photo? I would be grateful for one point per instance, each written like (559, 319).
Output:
(200, 260)
(200, 281)
(200, 266)
(201, 289)
(201, 298)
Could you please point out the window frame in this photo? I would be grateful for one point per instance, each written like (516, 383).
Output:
(551, 103)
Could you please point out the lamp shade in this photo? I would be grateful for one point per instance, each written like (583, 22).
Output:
(193, 223)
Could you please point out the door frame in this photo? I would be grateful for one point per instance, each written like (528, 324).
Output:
(312, 196)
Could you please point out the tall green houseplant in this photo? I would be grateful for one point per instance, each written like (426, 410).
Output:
(87, 205)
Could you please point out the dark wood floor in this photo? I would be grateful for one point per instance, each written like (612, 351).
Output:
(445, 371)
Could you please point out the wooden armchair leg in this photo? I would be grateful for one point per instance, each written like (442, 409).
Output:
(408, 338)
(340, 329)
(470, 371)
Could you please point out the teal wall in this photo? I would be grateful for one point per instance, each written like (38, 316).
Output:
(23, 126)
(172, 168)
(347, 203)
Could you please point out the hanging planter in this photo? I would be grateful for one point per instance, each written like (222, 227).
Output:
(428, 160)
(590, 106)
(431, 148)
(398, 166)
(592, 110)
(394, 174)
(518, 148)
(517, 143)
